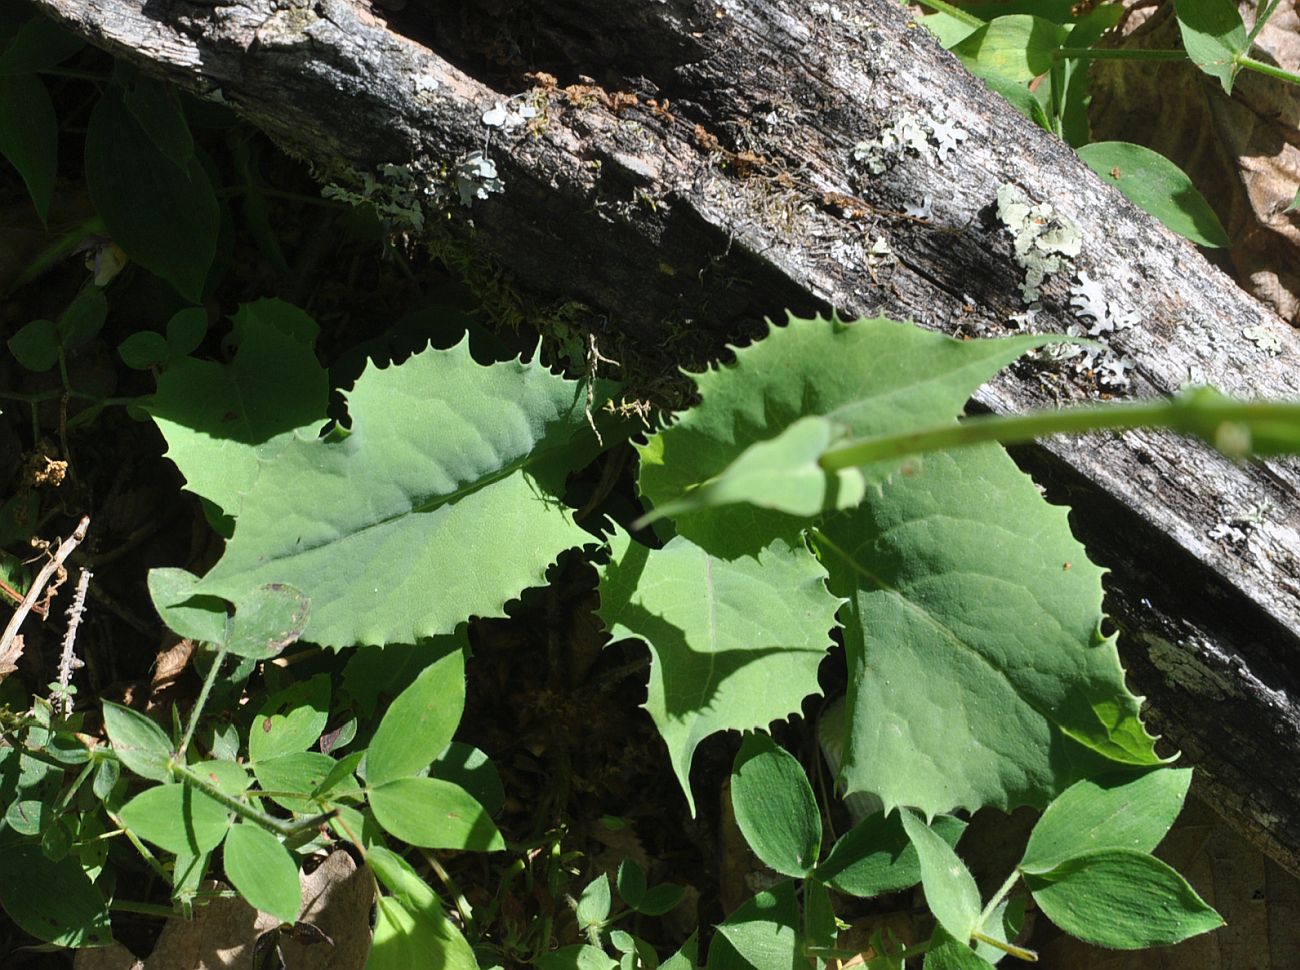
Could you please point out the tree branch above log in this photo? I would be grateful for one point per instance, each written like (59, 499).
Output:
(694, 167)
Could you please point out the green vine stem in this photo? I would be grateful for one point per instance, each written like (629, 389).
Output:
(197, 710)
(286, 830)
(1229, 425)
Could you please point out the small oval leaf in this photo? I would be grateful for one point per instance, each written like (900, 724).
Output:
(1157, 186)
(178, 818)
(775, 807)
(434, 814)
(1121, 899)
(263, 871)
(419, 724)
(138, 742)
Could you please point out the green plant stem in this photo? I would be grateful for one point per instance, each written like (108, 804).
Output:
(1260, 67)
(285, 830)
(197, 710)
(1001, 894)
(965, 16)
(144, 909)
(1262, 15)
(462, 904)
(1118, 54)
(73, 788)
(1019, 952)
(1178, 414)
(140, 847)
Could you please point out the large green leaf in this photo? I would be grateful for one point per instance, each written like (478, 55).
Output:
(735, 643)
(164, 215)
(977, 675)
(222, 422)
(861, 379)
(440, 503)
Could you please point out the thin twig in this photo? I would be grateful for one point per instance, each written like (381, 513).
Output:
(43, 577)
(68, 661)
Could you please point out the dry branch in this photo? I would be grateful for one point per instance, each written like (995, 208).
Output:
(707, 178)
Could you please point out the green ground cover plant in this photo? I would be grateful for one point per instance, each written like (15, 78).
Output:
(824, 493)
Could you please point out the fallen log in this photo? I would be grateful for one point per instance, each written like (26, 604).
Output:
(685, 168)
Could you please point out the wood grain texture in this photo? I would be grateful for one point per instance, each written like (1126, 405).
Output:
(682, 224)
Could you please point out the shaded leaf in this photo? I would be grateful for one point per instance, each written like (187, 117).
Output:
(403, 940)
(1017, 47)
(876, 856)
(29, 136)
(268, 619)
(38, 44)
(223, 422)
(471, 769)
(53, 901)
(577, 956)
(84, 318)
(762, 934)
(200, 618)
(947, 953)
(36, 345)
(164, 215)
(143, 350)
(1214, 36)
(291, 720)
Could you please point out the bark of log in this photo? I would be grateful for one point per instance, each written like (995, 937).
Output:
(702, 177)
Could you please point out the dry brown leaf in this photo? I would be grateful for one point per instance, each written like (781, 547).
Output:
(1242, 153)
(9, 659)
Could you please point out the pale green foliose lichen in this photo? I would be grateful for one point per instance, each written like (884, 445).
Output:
(1045, 240)
(927, 136)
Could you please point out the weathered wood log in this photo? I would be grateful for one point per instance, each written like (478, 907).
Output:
(703, 164)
